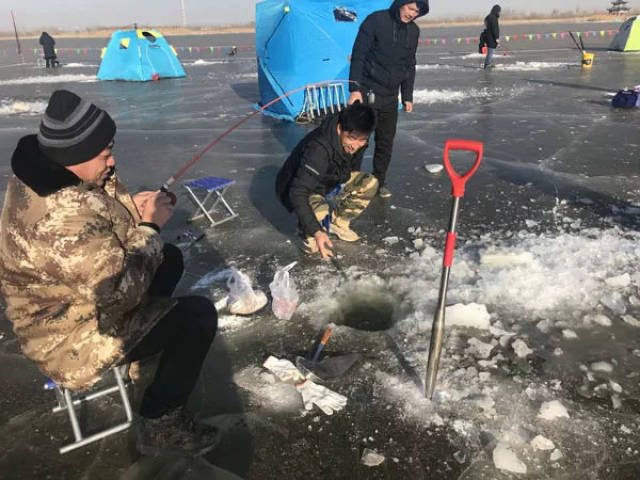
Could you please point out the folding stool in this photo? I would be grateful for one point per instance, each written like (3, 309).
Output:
(210, 185)
(68, 400)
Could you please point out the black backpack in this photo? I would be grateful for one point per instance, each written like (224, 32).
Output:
(482, 40)
(625, 99)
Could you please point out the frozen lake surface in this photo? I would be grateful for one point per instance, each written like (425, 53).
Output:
(540, 367)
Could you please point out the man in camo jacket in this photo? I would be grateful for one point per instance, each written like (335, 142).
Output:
(86, 277)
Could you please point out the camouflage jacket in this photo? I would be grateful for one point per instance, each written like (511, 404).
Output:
(75, 267)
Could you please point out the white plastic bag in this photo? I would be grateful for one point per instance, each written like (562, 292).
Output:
(243, 300)
(284, 294)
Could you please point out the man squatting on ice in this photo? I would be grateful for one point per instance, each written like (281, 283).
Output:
(321, 180)
(383, 61)
(87, 280)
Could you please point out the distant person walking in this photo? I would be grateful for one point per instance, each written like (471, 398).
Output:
(48, 45)
(491, 34)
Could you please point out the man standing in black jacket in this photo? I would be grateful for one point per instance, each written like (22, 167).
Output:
(49, 48)
(492, 34)
(383, 61)
(321, 180)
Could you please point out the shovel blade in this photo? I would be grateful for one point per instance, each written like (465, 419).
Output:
(332, 367)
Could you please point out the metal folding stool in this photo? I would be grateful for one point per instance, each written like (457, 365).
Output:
(68, 400)
(211, 185)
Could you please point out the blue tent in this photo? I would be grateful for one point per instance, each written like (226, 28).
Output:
(299, 42)
(139, 55)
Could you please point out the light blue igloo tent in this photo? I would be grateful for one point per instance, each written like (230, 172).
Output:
(300, 42)
(139, 55)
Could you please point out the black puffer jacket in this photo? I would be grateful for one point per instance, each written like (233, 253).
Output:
(492, 28)
(48, 45)
(384, 53)
(318, 164)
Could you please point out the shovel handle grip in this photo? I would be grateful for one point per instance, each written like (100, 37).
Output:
(458, 181)
(323, 341)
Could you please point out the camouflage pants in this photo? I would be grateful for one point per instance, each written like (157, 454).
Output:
(350, 202)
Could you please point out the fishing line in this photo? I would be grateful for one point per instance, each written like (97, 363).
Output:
(179, 173)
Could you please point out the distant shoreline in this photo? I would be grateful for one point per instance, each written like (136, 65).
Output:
(239, 29)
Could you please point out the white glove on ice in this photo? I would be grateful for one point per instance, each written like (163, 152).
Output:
(283, 369)
(328, 400)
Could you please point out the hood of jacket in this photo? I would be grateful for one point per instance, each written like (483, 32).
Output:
(38, 172)
(423, 5)
(496, 10)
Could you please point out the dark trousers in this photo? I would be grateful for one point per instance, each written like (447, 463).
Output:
(387, 119)
(183, 335)
(51, 62)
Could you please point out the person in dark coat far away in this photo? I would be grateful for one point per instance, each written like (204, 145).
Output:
(491, 34)
(48, 45)
(383, 61)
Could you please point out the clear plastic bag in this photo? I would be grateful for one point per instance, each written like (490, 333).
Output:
(284, 294)
(243, 300)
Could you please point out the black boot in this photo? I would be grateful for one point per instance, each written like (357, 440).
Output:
(176, 431)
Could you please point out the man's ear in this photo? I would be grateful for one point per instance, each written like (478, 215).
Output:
(339, 129)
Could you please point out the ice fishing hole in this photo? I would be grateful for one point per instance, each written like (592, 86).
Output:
(365, 308)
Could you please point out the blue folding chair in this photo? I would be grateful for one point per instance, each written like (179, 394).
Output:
(215, 188)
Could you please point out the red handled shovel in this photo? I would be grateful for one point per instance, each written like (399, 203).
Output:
(458, 182)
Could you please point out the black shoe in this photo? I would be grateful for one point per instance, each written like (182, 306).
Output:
(176, 431)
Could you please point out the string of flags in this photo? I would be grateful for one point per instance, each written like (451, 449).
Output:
(426, 41)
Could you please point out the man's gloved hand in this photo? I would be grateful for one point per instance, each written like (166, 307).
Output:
(283, 369)
(328, 400)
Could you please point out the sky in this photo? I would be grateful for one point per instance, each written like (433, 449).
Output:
(80, 14)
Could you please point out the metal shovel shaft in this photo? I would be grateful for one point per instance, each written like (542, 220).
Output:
(458, 186)
(437, 329)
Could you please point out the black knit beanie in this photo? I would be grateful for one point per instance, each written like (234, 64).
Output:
(73, 130)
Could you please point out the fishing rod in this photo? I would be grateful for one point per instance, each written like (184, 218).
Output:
(580, 46)
(171, 180)
(13, 19)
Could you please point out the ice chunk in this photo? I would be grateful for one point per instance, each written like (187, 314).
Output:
(472, 315)
(371, 458)
(602, 320)
(499, 332)
(556, 455)
(620, 281)
(552, 410)
(504, 458)
(433, 167)
(614, 301)
(544, 325)
(542, 443)
(391, 240)
(631, 320)
(478, 348)
(418, 243)
(569, 334)
(601, 367)
(615, 386)
(521, 348)
(510, 259)
(460, 456)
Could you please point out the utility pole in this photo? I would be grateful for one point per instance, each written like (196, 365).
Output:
(13, 19)
(184, 14)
